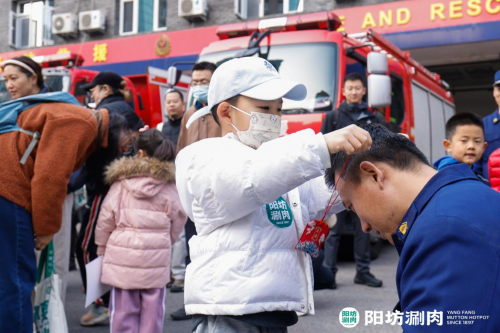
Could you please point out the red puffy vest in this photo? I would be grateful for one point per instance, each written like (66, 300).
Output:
(494, 170)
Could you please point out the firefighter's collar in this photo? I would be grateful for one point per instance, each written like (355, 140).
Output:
(444, 177)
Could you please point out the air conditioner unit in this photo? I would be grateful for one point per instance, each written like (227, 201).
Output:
(93, 20)
(64, 24)
(193, 9)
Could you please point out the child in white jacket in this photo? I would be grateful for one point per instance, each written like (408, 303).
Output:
(250, 198)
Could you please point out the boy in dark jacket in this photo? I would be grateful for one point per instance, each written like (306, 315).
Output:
(464, 141)
(174, 110)
(352, 111)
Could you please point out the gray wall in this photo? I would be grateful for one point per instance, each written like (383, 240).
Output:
(4, 25)
(220, 12)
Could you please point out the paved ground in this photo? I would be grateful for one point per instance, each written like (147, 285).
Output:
(328, 303)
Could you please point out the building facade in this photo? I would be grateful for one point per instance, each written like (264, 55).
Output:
(37, 23)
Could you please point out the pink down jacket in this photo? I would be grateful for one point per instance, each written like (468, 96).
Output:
(141, 217)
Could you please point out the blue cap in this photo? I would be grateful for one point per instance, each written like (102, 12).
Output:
(497, 79)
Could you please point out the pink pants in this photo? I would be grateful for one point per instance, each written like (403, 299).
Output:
(137, 311)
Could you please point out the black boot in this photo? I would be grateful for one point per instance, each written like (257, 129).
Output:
(333, 285)
(367, 278)
(180, 314)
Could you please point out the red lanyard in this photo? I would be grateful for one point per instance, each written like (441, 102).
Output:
(330, 205)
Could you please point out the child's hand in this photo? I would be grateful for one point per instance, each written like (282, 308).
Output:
(350, 139)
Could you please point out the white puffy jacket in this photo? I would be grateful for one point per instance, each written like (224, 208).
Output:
(241, 262)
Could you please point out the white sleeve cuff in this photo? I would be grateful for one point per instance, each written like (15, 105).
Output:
(323, 152)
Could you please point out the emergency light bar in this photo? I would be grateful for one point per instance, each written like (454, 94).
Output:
(63, 59)
(323, 20)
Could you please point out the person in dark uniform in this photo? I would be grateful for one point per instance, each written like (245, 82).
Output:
(444, 225)
(174, 109)
(352, 111)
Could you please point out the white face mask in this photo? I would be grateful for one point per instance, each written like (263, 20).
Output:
(263, 127)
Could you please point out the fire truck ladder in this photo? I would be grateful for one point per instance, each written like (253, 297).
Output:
(381, 44)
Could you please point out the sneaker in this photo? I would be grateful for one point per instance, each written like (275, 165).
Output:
(180, 314)
(96, 315)
(177, 286)
(367, 279)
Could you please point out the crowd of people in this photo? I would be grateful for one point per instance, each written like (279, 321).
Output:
(211, 203)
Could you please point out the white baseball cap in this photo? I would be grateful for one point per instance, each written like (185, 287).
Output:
(251, 77)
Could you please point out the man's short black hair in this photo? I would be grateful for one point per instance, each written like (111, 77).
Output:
(462, 119)
(174, 91)
(354, 76)
(388, 147)
(205, 65)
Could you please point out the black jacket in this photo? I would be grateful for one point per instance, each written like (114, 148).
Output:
(347, 114)
(172, 129)
(117, 104)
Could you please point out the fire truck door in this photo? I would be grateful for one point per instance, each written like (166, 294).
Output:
(421, 119)
(430, 113)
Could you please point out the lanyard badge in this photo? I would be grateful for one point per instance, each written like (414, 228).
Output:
(316, 231)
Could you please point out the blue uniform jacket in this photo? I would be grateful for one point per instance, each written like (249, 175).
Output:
(445, 161)
(492, 136)
(449, 247)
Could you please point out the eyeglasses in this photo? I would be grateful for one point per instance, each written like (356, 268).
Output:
(203, 82)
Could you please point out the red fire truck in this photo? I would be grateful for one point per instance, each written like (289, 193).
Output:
(309, 49)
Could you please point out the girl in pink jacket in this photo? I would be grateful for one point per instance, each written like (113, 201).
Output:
(140, 219)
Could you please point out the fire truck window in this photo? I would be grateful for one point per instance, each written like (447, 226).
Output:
(79, 92)
(54, 82)
(355, 66)
(398, 101)
(57, 82)
(320, 76)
